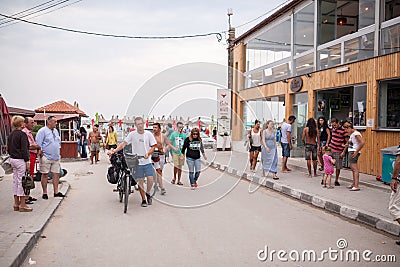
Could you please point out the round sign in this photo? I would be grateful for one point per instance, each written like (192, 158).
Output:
(296, 84)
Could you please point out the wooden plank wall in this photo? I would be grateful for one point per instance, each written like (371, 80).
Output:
(367, 71)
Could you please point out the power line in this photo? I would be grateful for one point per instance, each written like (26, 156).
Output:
(15, 22)
(217, 34)
(270, 11)
(37, 11)
(23, 11)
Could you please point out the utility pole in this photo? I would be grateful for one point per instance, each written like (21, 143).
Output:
(231, 38)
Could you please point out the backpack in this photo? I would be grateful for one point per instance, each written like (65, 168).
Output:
(278, 135)
(112, 175)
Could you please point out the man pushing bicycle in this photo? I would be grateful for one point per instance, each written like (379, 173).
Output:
(143, 144)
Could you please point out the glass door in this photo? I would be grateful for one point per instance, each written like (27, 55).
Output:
(300, 108)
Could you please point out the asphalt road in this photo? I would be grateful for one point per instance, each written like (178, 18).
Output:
(219, 224)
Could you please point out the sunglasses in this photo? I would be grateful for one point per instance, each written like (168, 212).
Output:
(195, 133)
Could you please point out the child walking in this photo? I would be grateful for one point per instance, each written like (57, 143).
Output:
(328, 166)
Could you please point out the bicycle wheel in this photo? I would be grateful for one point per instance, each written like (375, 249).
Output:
(127, 189)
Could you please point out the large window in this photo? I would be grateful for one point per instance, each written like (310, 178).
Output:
(304, 29)
(389, 108)
(339, 18)
(330, 56)
(271, 108)
(392, 9)
(271, 46)
(390, 39)
(304, 64)
(359, 48)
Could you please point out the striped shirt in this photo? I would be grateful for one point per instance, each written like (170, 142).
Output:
(338, 139)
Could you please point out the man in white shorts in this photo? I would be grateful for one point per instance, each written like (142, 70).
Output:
(394, 202)
(49, 155)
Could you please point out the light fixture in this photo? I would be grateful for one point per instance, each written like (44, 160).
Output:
(285, 81)
(367, 6)
(308, 75)
(343, 69)
(341, 20)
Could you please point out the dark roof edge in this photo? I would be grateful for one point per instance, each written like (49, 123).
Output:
(268, 20)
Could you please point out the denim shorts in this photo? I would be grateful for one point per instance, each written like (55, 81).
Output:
(285, 150)
(311, 151)
(144, 171)
(353, 160)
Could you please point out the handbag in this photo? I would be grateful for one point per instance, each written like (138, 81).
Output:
(27, 183)
(6, 164)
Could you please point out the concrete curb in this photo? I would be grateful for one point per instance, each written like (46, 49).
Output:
(17, 253)
(346, 211)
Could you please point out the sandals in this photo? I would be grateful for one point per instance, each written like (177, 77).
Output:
(355, 189)
(25, 209)
(178, 183)
(16, 208)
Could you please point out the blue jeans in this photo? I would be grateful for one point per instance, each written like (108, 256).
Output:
(194, 166)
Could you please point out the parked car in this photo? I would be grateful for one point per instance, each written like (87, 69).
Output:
(208, 142)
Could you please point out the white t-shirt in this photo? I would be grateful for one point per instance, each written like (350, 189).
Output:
(354, 141)
(286, 127)
(141, 144)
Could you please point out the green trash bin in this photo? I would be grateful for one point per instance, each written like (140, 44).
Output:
(388, 159)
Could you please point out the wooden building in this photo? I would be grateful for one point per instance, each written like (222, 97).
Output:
(68, 121)
(323, 58)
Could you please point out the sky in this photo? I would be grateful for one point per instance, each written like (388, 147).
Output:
(39, 66)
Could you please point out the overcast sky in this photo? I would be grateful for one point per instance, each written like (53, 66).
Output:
(39, 66)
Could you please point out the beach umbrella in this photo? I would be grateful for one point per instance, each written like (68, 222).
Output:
(5, 125)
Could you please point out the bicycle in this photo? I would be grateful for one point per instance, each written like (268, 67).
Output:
(124, 163)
